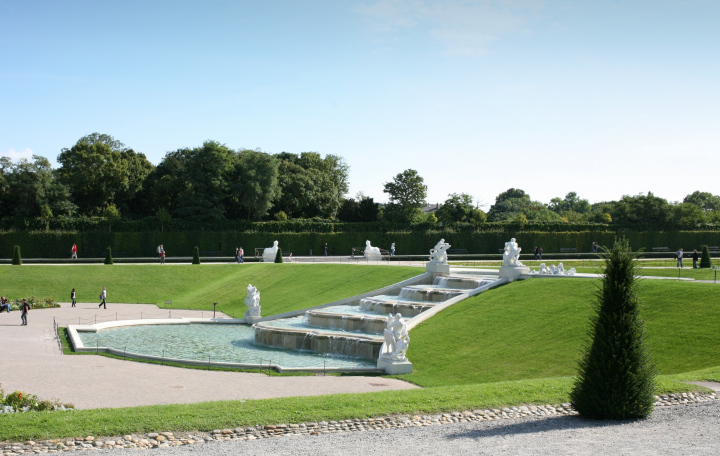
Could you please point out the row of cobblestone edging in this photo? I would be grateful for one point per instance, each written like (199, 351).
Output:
(166, 439)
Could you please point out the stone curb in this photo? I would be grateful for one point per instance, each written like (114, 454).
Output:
(167, 439)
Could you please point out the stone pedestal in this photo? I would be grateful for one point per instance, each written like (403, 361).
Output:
(392, 367)
(513, 273)
(438, 268)
(251, 320)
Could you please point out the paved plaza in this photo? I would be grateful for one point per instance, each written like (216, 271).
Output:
(31, 361)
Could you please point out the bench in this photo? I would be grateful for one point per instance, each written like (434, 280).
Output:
(457, 251)
(661, 249)
(211, 253)
(568, 250)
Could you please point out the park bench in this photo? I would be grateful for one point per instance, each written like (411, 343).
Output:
(457, 251)
(661, 249)
(568, 250)
(211, 253)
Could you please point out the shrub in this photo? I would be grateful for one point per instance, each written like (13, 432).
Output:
(19, 400)
(278, 256)
(196, 255)
(705, 261)
(17, 258)
(616, 376)
(281, 216)
(108, 256)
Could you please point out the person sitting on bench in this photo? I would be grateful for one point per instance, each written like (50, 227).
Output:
(4, 304)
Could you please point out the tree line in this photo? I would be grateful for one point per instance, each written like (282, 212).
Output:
(100, 177)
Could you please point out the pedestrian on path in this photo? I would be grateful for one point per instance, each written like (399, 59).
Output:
(103, 296)
(326, 249)
(72, 296)
(695, 259)
(540, 251)
(73, 252)
(392, 249)
(162, 255)
(240, 253)
(679, 256)
(25, 308)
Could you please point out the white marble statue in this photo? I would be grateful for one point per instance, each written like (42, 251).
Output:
(438, 254)
(554, 270)
(511, 254)
(372, 253)
(397, 339)
(252, 301)
(270, 253)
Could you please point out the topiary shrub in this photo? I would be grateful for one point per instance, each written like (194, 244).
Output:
(108, 256)
(705, 261)
(17, 258)
(196, 255)
(278, 256)
(616, 377)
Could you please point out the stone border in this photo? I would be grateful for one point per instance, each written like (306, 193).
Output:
(167, 439)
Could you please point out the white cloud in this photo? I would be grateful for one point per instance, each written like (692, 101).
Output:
(15, 155)
(464, 27)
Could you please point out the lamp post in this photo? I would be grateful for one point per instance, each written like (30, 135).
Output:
(214, 304)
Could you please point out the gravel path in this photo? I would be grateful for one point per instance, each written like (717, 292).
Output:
(677, 430)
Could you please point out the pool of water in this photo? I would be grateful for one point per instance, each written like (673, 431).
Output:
(301, 323)
(214, 343)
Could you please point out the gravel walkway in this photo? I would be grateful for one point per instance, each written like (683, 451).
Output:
(676, 430)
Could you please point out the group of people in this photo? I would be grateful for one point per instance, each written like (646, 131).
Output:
(679, 257)
(538, 253)
(24, 308)
(161, 253)
(239, 252)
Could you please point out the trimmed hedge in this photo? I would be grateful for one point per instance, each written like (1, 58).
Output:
(93, 244)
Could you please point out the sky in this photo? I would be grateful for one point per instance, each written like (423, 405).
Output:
(601, 97)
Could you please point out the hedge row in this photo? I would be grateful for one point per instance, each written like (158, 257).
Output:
(55, 244)
(83, 224)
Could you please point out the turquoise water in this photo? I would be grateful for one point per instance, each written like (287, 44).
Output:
(214, 343)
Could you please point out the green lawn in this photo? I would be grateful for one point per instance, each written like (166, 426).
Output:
(517, 344)
(283, 287)
(534, 329)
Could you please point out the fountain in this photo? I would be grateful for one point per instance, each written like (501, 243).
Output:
(372, 253)
(512, 268)
(270, 252)
(252, 301)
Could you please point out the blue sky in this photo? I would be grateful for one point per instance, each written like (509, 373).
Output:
(601, 97)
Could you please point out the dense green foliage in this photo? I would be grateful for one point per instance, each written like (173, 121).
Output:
(92, 244)
(108, 256)
(17, 257)
(705, 261)
(616, 376)
(407, 192)
(278, 256)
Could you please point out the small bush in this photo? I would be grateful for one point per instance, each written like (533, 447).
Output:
(281, 216)
(196, 255)
(705, 261)
(108, 256)
(19, 400)
(17, 258)
(278, 256)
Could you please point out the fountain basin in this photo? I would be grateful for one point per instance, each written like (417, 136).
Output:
(429, 293)
(318, 341)
(345, 322)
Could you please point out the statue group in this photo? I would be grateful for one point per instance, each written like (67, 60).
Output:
(397, 339)
(372, 253)
(270, 252)
(438, 254)
(252, 301)
(511, 254)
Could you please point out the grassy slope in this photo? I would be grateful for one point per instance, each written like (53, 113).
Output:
(535, 328)
(283, 287)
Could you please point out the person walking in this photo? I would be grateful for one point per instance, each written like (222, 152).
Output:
(695, 259)
(159, 249)
(25, 308)
(72, 296)
(536, 254)
(679, 256)
(162, 255)
(240, 254)
(540, 251)
(392, 249)
(73, 252)
(326, 249)
(103, 296)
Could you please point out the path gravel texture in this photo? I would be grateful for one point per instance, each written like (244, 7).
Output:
(31, 361)
(676, 430)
